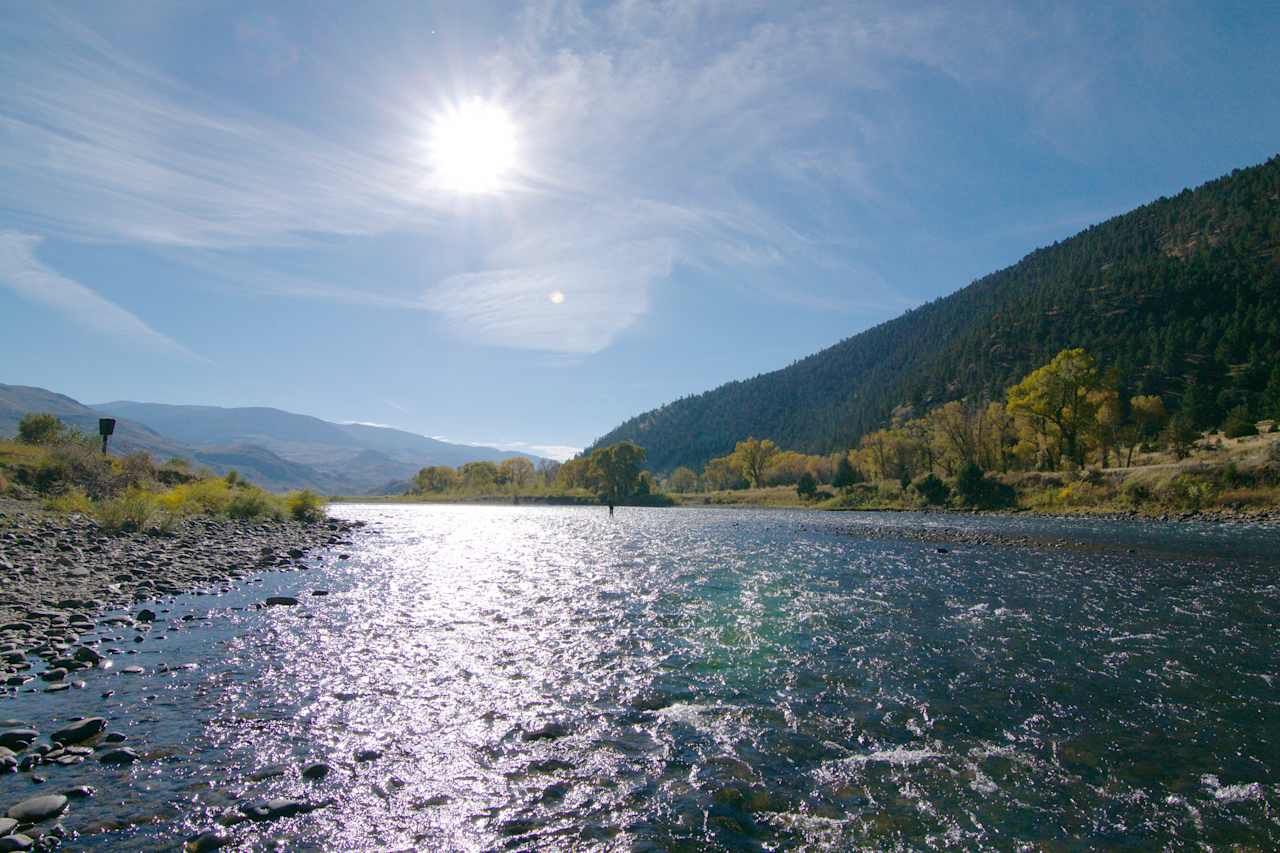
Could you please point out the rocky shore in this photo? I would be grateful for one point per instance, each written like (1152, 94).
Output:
(60, 579)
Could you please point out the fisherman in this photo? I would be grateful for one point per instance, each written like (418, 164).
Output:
(611, 507)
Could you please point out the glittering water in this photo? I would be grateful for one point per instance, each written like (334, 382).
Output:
(702, 679)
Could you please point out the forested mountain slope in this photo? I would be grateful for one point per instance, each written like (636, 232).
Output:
(1185, 290)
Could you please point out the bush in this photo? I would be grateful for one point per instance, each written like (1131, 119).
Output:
(306, 506)
(1136, 493)
(807, 487)
(72, 500)
(975, 489)
(136, 469)
(134, 511)
(40, 428)
(251, 503)
(200, 497)
(934, 491)
(1187, 492)
(1238, 423)
(4, 484)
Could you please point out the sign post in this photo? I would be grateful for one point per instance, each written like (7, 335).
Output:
(106, 426)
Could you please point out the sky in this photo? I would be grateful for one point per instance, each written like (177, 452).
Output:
(521, 224)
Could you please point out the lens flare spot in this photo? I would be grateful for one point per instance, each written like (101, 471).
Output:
(556, 297)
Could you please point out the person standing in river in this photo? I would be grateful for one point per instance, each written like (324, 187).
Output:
(611, 509)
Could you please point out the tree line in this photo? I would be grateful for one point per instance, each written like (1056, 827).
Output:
(614, 474)
(1065, 414)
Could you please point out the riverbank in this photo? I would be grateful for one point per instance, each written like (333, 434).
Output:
(58, 573)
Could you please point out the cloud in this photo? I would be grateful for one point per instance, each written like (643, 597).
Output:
(558, 452)
(651, 136)
(97, 147)
(601, 294)
(23, 273)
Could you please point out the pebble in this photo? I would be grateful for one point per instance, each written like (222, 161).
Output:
(17, 841)
(17, 739)
(81, 731)
(317, 770)
(281, 600)
(38, 809)
(278, 808)
(209, 840)
(123, 755)
(368, 754)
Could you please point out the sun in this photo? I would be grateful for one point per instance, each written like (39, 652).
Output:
(472, 147)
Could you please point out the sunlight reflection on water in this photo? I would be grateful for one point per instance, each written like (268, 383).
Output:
(546, 677)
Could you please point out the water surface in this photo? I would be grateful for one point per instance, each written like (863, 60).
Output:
(692, 679)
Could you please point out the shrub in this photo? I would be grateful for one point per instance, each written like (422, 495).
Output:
(1238, 423)
(4, 484)
(977, 490)
(72, 500)
(306, 506)
(210, 496)
(934, 491)
(251, 502)
(40, 428)
(807, 486)
(136, 469)
(135, 510)
(76, 464)
(1187, 492)
(1136, 493)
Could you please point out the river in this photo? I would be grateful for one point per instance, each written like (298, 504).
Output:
(551, 678)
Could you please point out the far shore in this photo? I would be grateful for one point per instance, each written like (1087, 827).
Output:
(771, 498)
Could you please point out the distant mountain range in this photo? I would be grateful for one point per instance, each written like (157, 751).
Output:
(276, 449)
(1181, 292)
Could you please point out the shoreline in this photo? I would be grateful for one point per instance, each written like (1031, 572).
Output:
(60, 574)
(1208, 515)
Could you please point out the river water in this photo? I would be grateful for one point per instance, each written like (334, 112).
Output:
(548, 678)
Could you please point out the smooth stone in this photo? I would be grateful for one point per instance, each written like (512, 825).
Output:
(133, 670)
(18, 739)
(281, 600)
(124, 755)
(37, 809)
(114, 737)
(87, 655)
(7, 825)
(17, 841)
(81, 731)
(80, 792)
(278, 808)
(318, 770)
(269, 772)
(208, 840)
(369, 754)
(547, 732)
(145, 616)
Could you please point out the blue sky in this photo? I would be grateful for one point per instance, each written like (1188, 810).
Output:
(204, 203)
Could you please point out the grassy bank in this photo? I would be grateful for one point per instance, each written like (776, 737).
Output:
(1240, 476)
(134, 493)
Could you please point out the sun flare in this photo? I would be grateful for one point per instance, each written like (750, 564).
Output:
(472, 147)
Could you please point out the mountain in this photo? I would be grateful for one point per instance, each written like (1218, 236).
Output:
(278, 450)
(18, 400)
(350, 458)
(1182, 292)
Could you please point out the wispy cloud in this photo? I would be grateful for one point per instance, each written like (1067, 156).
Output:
(558, 452)
(652, 136)
(99, 147)
(24, 274)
